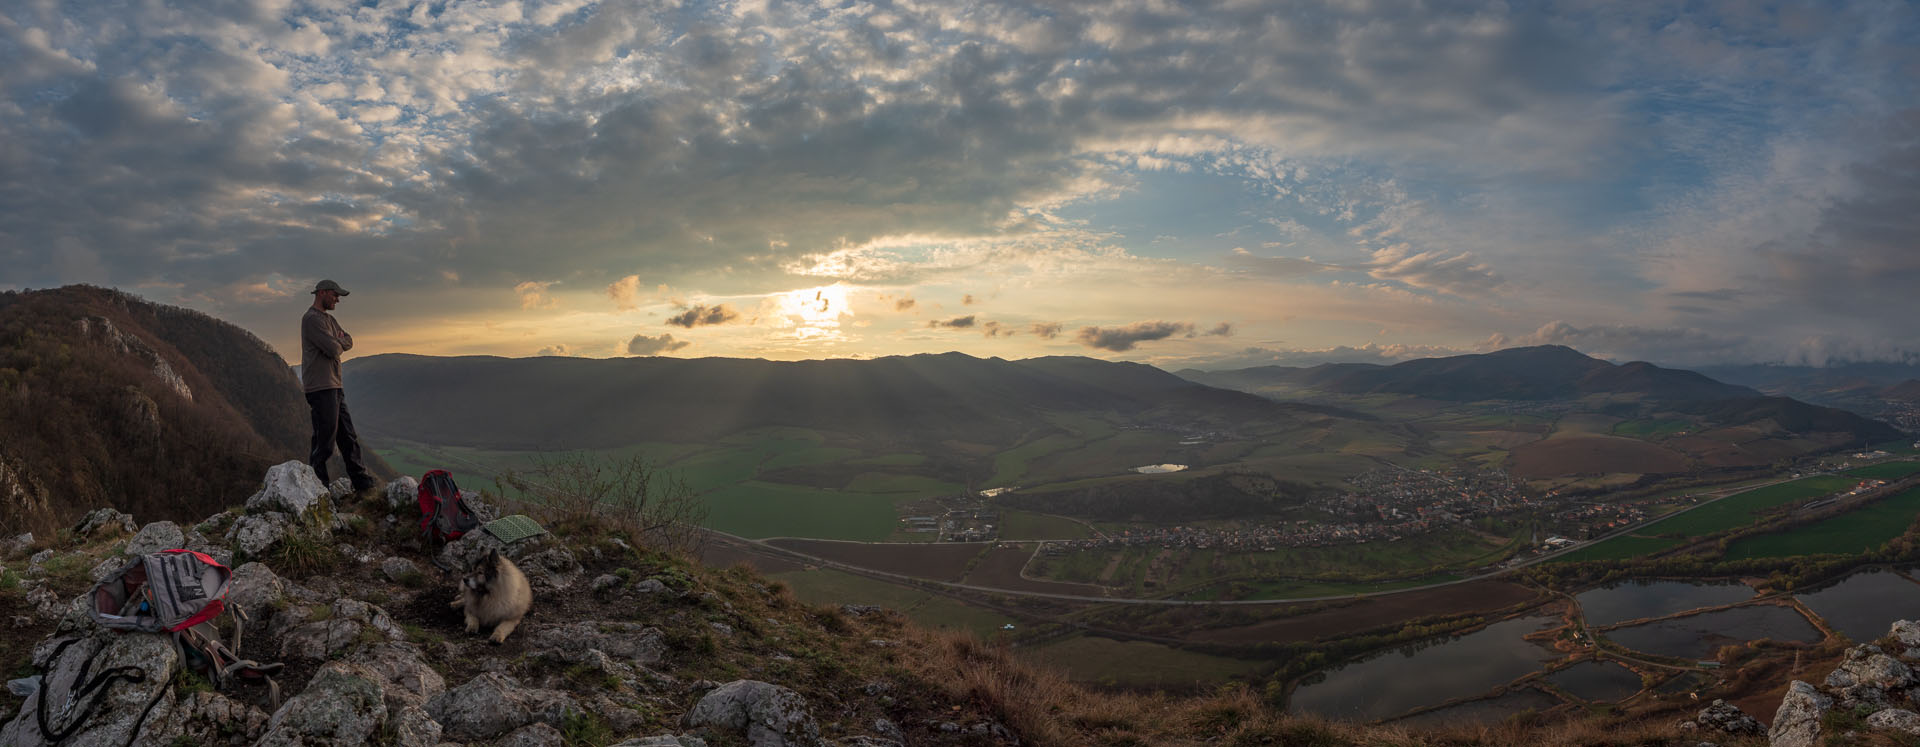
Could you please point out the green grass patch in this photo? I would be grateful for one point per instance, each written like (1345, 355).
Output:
(913, 485)
(1886, 470)
(1651, 428)
(891, 460)
(826, 586)
(762, 509)
(1011, 465)
(1743, 508)
(1624, 546)
(809, 456)
(1856, 531)
(1027, 525)
(1136, 663)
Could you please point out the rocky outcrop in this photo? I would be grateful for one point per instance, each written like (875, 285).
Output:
(493, 704)
(1797, 723)
(403, 492)
(1726, 718)
(130, 672)
(766, 715)
(289, 488)
(342, 705)
(160, 535)
(104, 519)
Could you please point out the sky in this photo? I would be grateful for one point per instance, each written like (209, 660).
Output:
(1188, 184)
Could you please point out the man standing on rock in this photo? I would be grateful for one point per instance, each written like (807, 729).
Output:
(321, 343)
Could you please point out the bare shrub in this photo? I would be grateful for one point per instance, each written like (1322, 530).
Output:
(630, 495)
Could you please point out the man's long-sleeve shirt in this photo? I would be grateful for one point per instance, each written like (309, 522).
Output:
(321, 343)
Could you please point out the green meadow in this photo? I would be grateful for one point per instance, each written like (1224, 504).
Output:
(1734, 511)
(1856, 531)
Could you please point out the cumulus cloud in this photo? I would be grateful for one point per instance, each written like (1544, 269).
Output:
(560, 349)
(996, 329)
(1624, 342)
(903, 304)
(1045, 330)
(1122, 339)
(967, 300)
(625, 293)
(644, 345)
(1383, 354)
(701, 315)
(958, 322)
(533, 295)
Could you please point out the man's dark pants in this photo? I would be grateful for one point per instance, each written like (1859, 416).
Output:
(332, 426)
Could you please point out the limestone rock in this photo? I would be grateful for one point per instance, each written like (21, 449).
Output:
(104, 519)
(253, 534)
(1897, 719)
(650, 586)
(117, 714)
(1907, 632)
(493, 704)
(396, 568)
(533, 735)
(349, 625)
(403, 492)
(160, 535)
(863, 740)
(1867, 676)
(1797, 723)
(683, 740)
(550, 570)
(767, 715)
(16, 545)
(632, 642)
(408, 679)
(289, 488)
(342, 705)
(1727, 718)
(254, 588)
(205, 718)
(340, 488)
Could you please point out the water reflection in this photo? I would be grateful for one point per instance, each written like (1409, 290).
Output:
(1599, 681)
(1489, 711)
(1698, 636)
(1156, 469)
(1398, 681)
(1865, 604)
(1633, 600)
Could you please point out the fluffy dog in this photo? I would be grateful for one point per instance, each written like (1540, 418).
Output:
(494, 594)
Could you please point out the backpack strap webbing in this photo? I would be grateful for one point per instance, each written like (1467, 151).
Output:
(85, 687)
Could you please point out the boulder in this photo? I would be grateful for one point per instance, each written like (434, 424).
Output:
(1897, 719)
(1727, 718)
(255, 588)
(16, 545)
(160, 535)
(412, 727)
(1797, 723)
(650, 586)
(342, 705)
(767, 715)
(683, 740)
(339, 489)
(1867, 676)
(350, 624)
(408, 680)
(396, 568)
(633, 643)
(253, 534)
(533, 735)
(493, 704)
(205, 718)
(104, 519)
(289, 488)
(403, 492)
(119, 708)
(552, 569)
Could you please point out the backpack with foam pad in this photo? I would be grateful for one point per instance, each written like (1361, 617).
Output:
(177, 592)
(444, 515)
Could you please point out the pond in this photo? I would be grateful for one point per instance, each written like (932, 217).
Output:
(1597, 681)
(1633, 600)
(1488, 711)
(1394, 682)
(1865, 604)
(1699, 636)
(1155, 469)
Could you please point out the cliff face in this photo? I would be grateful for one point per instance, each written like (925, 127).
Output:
(108, 400)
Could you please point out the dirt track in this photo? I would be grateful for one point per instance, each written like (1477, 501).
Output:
(1375, 611)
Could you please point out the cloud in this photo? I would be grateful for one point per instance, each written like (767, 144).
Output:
(1458, 274)
(996, 329)
(625, 293)
(1223, 329)
(558, 350)
(1629, 342)
(1281, 267)
(967, 300)
(958, 322)
(903, 304)
(644, 345)
(533, 295)
(1045, 330)
(1122, 339)
(1374, 353)
(701, 315)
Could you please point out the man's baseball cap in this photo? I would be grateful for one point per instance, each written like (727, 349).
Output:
(328, 285)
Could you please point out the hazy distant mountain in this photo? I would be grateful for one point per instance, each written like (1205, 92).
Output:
(109, 400)
(555, 402)
(1548, 373)
(1905, 391)
(1531, 373)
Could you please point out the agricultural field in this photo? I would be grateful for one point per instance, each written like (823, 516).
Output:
(1278, 574)
(1137, 664)
(831, 587)
(762, 509)
(1027, 525)
(1652, 429)
(1886, 470)
(1734, 511)
(1855, 531)
(942, 561)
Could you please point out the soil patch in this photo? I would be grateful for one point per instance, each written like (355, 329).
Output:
(1000, 568)
(1588, 455)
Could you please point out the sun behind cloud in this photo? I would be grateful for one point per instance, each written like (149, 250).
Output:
(814, 313)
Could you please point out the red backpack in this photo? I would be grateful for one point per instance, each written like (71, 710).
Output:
(444, 515)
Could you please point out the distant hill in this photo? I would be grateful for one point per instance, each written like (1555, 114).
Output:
(1532, 373)
(554, 402)
(1905, 391)
(110, 400)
